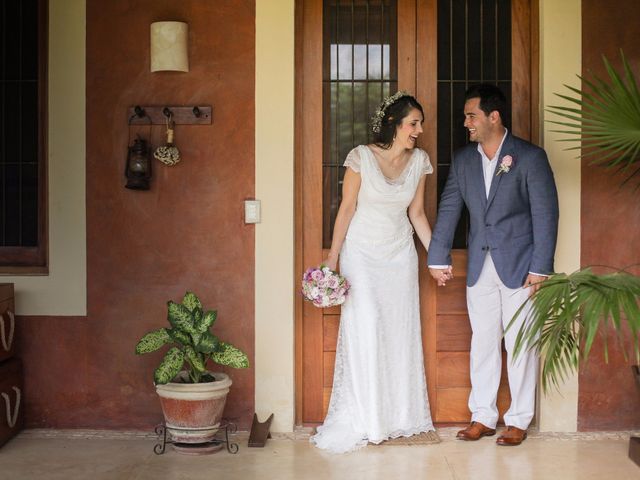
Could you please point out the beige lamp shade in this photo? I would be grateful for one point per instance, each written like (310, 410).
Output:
(169, 50)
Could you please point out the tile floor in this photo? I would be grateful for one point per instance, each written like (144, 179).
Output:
(68, 455)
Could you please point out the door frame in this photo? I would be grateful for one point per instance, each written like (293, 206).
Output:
(417, 72)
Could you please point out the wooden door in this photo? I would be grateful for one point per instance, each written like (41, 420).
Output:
(415, 39)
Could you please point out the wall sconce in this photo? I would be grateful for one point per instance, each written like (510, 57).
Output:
(169, 50)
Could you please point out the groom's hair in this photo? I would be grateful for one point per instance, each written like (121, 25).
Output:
(491, 99)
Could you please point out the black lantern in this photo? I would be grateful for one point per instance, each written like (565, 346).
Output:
(137, 169)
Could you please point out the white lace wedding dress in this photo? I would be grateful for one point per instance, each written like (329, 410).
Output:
(379, 388)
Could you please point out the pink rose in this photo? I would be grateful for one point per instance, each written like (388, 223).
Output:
(507, 160)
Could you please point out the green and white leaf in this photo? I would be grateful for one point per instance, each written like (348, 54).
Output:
(195, 359)
(191, 301)
(181, 317)
(191, 329)
(208, 343)
(207, 321)
(230, 356)
(179, 336)
(170, 366)
(197, 317)
(152, 341)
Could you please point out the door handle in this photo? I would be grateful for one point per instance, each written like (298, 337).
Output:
(7, 341)
(11, 419)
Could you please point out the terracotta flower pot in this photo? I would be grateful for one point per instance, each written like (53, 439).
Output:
(192, 411)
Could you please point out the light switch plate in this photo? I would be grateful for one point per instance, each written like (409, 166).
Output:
(252, 211)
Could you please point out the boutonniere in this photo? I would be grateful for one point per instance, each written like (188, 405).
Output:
(505, 165)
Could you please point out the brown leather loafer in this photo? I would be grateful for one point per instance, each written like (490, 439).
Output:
(511, 437)
(475, 431)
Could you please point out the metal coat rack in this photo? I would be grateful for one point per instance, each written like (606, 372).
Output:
(180, 115)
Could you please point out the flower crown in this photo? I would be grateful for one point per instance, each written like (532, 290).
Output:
(376, 120)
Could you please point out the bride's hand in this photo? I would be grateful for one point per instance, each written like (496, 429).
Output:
(330, 262)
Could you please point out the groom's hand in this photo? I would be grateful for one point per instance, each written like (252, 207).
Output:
(533, 282)
(441, 275)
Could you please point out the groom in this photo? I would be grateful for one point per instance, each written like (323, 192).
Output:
(508, 187)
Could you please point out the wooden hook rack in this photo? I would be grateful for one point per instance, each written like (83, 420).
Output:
(180, 115)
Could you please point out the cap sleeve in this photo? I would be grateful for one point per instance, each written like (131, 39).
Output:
(426, 164)
(353, 160)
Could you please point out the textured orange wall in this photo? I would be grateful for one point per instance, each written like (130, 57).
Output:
(145, 248)
(609, 398)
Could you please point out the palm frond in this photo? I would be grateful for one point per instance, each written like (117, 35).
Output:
(607, 122)
(563, 318)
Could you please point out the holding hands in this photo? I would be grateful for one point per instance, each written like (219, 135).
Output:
(442, 275)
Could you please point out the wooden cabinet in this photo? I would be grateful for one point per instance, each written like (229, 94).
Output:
(11, 383)
(7, 322)
(11, 399)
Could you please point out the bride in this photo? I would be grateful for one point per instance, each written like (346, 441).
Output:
(379, 388)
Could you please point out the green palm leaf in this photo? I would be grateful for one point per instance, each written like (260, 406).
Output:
(607, 124)
(568, 311)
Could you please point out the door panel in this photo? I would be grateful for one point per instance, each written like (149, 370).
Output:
(446, 332)
(451, 399)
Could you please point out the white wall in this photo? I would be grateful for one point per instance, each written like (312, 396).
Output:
(274, 274)
(561, 60)
(64, 290)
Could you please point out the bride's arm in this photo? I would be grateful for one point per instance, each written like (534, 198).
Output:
(418, 217)
(350, 189)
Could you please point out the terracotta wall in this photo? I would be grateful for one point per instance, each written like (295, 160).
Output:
(144, 248)
(609, 398)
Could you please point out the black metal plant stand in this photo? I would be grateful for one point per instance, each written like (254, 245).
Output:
(225, 429)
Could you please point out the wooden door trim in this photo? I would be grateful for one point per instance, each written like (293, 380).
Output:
(308, 147)
(426, 93)
(297, 169)
(417, 72)
(525, 39)
(406, 42)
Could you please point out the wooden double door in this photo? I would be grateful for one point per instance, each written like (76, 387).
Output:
(427, 42)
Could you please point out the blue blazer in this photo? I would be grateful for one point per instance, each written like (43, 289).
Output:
(517, 224)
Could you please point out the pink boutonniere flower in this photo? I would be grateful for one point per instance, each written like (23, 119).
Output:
(505, 165)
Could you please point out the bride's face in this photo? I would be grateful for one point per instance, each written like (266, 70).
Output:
(410, 129)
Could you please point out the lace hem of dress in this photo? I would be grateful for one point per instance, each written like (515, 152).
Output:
(342, 439)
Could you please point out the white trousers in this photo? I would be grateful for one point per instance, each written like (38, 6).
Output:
(491, 307)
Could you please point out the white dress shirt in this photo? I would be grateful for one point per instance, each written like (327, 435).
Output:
(489, 164)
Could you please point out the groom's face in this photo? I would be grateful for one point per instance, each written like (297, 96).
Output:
(476, 121)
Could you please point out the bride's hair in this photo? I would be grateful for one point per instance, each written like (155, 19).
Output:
(393, 116)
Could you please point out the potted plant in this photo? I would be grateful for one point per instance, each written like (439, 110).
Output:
(568, 311)
(191, 396)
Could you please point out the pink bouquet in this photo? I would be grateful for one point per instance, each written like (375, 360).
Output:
(324, 287)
